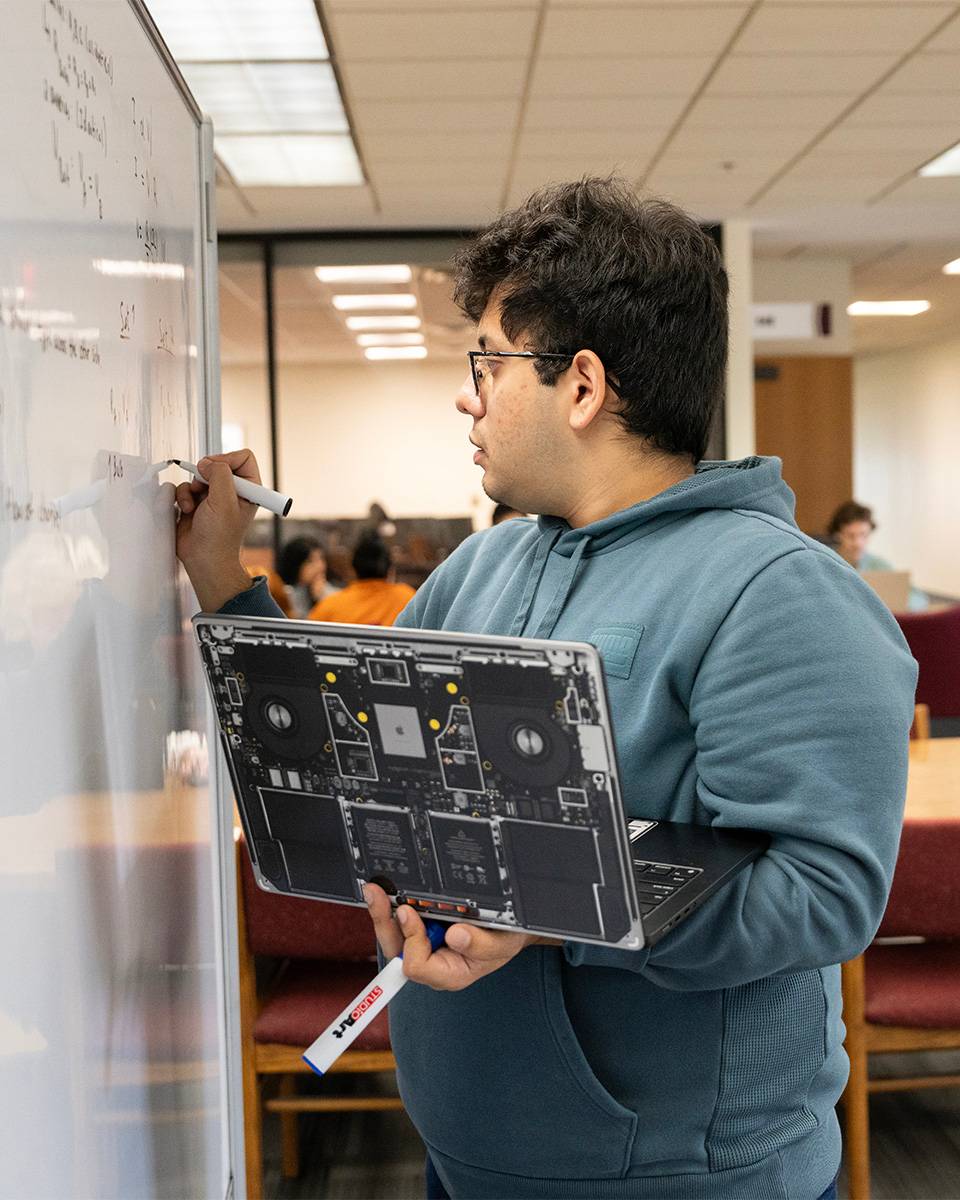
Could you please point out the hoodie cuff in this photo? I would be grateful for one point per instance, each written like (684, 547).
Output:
(580, 954)
(254, 601)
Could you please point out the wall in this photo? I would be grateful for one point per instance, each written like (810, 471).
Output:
(350, 434)
(906, 435)
(816, 280)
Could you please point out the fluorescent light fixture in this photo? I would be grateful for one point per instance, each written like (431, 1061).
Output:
(356, 324)
(382, 353)
(258, 97)
(389, 339)
(351, 302)
(234, 30)
(300, 160)
(952, 268)
(139, 269)
(887, 308)
(947, 163)
(395, 273)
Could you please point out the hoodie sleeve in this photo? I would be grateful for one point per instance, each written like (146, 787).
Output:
(801, 708)
(256, 601)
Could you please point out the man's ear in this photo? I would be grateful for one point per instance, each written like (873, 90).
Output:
(587, 380)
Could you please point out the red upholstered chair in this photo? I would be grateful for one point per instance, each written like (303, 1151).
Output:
(934, 641)
(327, 953)
(905, 995)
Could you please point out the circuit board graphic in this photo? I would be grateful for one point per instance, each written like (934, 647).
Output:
(469, 777)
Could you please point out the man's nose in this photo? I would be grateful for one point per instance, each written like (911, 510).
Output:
(467, 400)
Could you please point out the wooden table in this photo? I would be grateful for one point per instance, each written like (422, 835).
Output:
(933, 780)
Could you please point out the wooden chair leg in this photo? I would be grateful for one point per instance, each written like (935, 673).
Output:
(252, 1132)
(289, 1132)
(856, 1098)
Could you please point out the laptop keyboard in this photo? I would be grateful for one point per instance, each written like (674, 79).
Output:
(656, 882)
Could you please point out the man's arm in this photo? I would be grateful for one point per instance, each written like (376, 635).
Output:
(801, 707)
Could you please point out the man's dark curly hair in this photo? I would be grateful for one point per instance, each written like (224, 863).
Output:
(591, 266)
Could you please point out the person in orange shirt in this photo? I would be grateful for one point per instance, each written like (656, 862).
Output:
(373, 598)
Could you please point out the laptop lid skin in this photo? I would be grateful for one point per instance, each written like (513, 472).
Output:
(473, 777)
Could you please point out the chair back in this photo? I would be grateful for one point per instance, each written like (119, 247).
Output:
(934, 641)
(925, 897)
(288, 927)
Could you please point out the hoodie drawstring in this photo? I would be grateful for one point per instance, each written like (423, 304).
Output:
(551, 616)
(533, 582)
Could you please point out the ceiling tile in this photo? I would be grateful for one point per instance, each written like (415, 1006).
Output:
(926, 73)
(411, 116)
(949, 39)
(737, 140)
(791, 190)
(775, 112)
(937, 190)
(839, 28)
(464, 170)
(390, 35)
(389, 147)
(756, 169)
(452, 78)
(822, 164)
(672, 75)
(614, 144)
(534, 173)
(896, 109)
(607, 114)
(923, 140)
(799, 74)
(588, 30)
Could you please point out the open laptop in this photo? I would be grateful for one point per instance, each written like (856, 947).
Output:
(893, 587)
(472, 777)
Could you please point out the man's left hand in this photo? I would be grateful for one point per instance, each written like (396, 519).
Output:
(467, 955)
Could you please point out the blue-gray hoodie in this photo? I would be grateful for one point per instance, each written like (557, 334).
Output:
(754, 680)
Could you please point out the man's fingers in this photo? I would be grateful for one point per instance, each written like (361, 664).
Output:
(416, 945)
(219, 479)
(240, 462)
(185, 498)
(387, 932)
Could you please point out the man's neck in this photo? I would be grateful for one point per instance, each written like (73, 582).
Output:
(624, 484)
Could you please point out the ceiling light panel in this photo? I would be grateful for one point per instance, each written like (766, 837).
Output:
(947, 163)
(358, 324)
(390, 339)
(258, 97)
(888, 308)
(231, 30)
(386, 300)
(295, 161)
(388, 273)
(952, 268)
(382, 353)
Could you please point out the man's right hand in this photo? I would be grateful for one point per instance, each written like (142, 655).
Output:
(212, 524)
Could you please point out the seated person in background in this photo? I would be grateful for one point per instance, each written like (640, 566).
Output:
(373, 598)
(302, 565)
(849, 531)
(503, 512)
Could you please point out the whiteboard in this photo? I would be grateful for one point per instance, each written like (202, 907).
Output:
(112, 1004)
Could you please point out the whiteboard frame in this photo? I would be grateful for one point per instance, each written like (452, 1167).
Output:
(233, 1175)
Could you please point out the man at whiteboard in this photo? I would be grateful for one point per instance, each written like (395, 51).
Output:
(764, 687)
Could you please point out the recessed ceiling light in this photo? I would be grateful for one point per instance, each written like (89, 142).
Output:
(350, 302)
(952, 268)
(242, 29)
(381, 353)
(947, 163)
(887, 308)
(389, 339)
(301, 160)
(385, 322)
(259, 97)
(392, 273)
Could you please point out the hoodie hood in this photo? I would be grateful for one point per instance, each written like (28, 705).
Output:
(748, 483)
(754, 484)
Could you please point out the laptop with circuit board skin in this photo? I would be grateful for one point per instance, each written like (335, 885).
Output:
(472, 777)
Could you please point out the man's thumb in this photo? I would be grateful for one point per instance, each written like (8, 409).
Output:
(220, 482)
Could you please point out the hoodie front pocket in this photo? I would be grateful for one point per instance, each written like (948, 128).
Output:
(494, 1076)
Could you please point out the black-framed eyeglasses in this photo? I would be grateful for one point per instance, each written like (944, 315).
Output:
(476, 372)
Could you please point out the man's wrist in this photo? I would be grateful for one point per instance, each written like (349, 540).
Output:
(214, 586)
